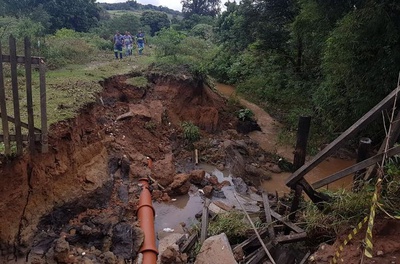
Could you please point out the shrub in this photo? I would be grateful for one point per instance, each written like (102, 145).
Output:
(245, 114)
(190, 131)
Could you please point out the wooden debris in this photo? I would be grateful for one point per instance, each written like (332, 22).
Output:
(189, 243)
(255, 230)
(268, 216)
(204, 220)
(285, 222)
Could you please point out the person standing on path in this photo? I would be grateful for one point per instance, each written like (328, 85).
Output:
(140, 42)
(128, 43)
(118, 44)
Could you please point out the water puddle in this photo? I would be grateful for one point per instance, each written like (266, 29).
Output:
(170, 215)
(324, 169)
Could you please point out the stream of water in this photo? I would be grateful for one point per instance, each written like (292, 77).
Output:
(170, 215)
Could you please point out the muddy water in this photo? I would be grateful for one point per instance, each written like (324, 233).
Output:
(184, 208)
(268, 138)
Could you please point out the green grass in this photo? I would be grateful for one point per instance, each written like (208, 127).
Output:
(70, 88)
(140, 81)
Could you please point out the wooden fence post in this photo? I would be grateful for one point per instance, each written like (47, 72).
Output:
(3, 109)
(14, 83)
(43, 106)
(299, 160)
(29, 103)
(362, 154)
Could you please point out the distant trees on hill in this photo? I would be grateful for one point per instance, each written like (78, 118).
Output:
(133, 5)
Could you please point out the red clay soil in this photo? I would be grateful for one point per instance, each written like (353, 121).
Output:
(78, 161)
(80, 148)
(386, 245)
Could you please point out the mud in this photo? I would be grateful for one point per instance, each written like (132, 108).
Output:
(81, 195)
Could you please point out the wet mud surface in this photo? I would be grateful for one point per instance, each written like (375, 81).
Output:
(77, 203)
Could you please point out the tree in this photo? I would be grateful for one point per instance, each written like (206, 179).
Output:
(360, 63)
(201, 7)
(79, 15)
(155, 20)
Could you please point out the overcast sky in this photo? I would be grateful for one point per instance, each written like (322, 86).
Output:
(173, 4)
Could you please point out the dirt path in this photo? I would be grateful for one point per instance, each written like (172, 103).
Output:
(268, 137)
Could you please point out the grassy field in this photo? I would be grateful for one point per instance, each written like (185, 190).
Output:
(72, 87)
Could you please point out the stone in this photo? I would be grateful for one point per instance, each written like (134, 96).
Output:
(223, 205)
(213, 180)
(273, 167)
(165, 197)
(240, 186)
(61, 250)
(216, 250)
(221, 167)
(208, 190)
(157, 194)
(169, 256)
(197, 176)
(109, 258)
(180, 185)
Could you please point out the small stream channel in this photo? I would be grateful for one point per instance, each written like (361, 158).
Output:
(183, 210)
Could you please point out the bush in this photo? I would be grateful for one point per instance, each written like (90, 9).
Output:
(245, 114)
(67, 46)
(190, 131)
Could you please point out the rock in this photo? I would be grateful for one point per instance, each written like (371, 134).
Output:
(208, 190)
(215, 209)
(218, 193)
(213, 180)
(169, 256)
(164, 170)
(221, 167)
(167, 242)
(223, 205)
(180, 185)
(157, 194)
(165, 197)
(197, 176)
(273, 167)
(122, 240)
(216, 250)
(240, 185)
(61, 250)
(223, 184)
(108, 258)
(252, 170)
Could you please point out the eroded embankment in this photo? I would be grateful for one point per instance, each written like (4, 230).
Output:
(73, 202)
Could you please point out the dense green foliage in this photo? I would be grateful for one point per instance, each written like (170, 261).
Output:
(200, 7)
(332, 59)
(155, 20)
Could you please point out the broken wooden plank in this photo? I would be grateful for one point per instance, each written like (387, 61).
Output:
(256, 256)
(24, 137)
(285, 222)
(338, 142)
(251, 241)
(268, 217)
(22, 59)
(361, 165)
(189, 243)
(291, 238)
(255, 230)
(305, 258)
(204, 220)
(24, 125)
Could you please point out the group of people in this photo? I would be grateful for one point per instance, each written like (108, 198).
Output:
(125, 42)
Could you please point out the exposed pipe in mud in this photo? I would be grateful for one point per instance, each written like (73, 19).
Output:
(146, 214)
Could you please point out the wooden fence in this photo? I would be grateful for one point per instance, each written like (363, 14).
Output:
(33, 134)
